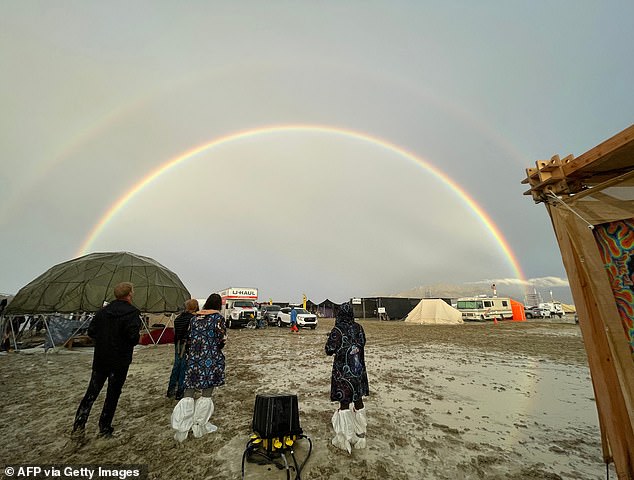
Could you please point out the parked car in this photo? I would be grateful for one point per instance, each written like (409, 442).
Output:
(537, 312)
(305, 319)
(269, 313)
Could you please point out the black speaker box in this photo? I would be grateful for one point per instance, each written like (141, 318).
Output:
(276, 415)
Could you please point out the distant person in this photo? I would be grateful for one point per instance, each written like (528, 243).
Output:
(294, 320)
(115, 331)
(261, 322)
(349, 380)
(205, 370)
(175, 387)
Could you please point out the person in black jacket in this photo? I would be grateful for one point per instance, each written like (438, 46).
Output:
(175, 387)
(115, 330)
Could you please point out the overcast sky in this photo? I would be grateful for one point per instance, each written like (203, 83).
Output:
(411, 109)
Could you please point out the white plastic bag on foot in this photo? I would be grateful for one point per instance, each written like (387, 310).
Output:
(183, 418)
(342, 423)
(203, 411)
(360, 427)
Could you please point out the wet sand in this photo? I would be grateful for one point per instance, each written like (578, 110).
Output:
(472, 401)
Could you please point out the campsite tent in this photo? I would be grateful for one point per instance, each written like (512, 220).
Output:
(434, 311)
(327, 308)
(85, 283)
(519, 315)
(568, 309)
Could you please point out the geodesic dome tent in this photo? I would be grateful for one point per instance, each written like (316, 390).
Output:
(63, 299)
(85, 283)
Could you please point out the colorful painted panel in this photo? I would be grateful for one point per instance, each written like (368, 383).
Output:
(616, 244)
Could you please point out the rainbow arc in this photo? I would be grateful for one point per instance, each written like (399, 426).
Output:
(236, 137)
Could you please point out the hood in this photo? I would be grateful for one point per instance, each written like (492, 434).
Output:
(345, 314)
(118, 308)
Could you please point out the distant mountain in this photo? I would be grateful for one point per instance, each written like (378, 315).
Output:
(445, 290)
(442, 290)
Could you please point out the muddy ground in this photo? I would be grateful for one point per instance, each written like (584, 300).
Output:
(472, 401)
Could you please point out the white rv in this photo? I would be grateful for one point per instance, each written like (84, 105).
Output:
(485, 308)
(239, 305)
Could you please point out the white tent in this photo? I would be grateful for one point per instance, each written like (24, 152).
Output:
(433, 311)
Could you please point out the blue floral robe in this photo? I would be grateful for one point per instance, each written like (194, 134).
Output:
(205, 360)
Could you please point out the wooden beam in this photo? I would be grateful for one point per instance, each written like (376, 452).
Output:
(601, 151)
(609, 357)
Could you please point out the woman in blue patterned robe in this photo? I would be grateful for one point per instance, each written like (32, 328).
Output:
(205, 370)
(205, 360)
(349, 379)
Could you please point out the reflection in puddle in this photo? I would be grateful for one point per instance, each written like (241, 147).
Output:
(535, 410)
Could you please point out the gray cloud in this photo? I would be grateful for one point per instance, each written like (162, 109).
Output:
(541, 282)
(87, 115)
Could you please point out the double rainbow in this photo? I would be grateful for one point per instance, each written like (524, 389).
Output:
(166, 167)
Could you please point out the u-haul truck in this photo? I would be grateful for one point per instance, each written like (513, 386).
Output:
(239, 305)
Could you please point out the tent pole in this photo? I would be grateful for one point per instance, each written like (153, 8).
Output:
(86, 319)
(147, 329)
(3, 326)
(15, 342)
(48, 330)
(165, 327)
(22, 327)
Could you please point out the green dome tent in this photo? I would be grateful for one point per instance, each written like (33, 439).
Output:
(85, 283)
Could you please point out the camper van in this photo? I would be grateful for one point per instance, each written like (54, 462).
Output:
(485, 308)
(239, 305)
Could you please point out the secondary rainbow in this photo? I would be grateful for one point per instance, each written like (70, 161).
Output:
(112, 211)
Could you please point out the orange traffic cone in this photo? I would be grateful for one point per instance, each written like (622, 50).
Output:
(495, 321)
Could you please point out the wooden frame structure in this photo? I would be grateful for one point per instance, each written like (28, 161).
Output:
(584, 196)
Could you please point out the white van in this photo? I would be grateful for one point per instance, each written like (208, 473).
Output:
(485, 308)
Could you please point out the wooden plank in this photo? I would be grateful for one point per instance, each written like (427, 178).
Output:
(587, 165)
(601, 151)
(609, 358)
(531, 174)
(552, 165)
